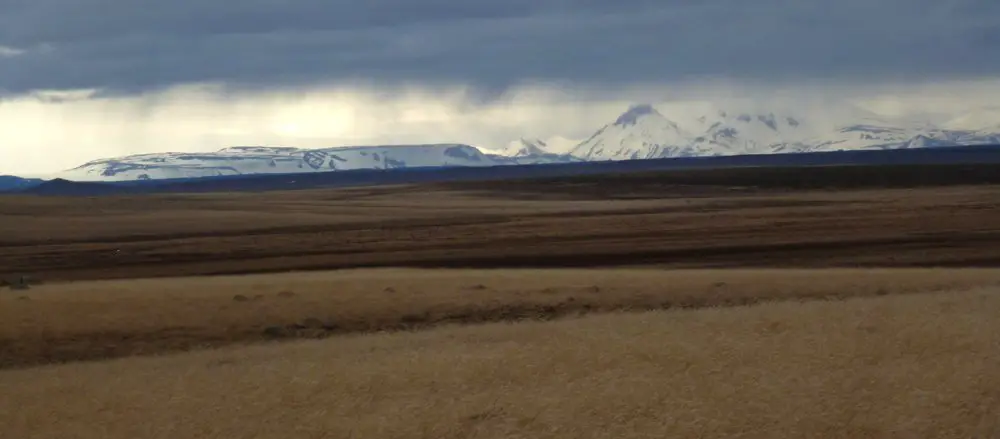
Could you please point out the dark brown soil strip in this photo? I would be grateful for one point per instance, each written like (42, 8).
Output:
(46, 349)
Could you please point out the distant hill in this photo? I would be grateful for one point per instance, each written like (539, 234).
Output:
(63, 187)
(10, 183)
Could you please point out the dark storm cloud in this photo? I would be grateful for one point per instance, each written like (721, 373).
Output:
(128, 46)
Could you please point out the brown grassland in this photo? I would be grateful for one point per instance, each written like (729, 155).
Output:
(618, 308)
(116, 318)
(897, 366)
(505, 225)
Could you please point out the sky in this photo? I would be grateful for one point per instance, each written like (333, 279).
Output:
(88, 79)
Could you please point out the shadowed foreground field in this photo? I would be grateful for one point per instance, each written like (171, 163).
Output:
(900, 366)
(106, 319)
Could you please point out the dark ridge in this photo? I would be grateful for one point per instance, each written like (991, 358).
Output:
(61, 186)
(12, 183)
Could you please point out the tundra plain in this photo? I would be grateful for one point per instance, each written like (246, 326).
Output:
(624, 306)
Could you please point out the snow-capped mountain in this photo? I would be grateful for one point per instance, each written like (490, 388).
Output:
(639, 133)
(526, 151)
(524, 148)
(888, 137)
(728, 133)
(281, 160)
(642, 132)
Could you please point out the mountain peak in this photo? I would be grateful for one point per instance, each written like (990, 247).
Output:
(634, 113)
(642, 132)
(524, 147)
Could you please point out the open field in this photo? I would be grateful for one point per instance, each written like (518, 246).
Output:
(108, 319)
(737, 303)
(898, 366)
(747, 218)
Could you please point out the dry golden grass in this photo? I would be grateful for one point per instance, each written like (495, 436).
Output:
(901, 366)
(107, 319)
(911, 353)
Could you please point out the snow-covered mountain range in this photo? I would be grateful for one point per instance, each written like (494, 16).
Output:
(284, 160)
(641, 132)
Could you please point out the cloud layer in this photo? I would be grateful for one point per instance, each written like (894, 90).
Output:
(87, 79)
(489, 45)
